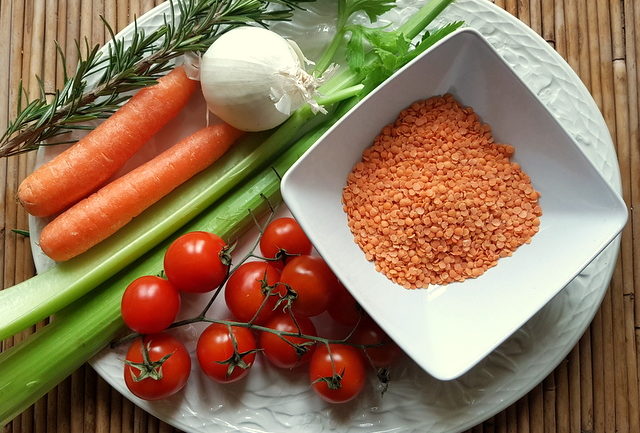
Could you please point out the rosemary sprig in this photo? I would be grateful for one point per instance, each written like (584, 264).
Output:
(191, 26)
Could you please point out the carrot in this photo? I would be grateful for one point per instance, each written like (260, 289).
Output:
(101, 214)
(84, 167)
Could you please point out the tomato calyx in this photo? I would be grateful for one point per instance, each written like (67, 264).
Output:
(333, 382)
(282, 256)
(266, 288)
(225, 254)
(148, 369)
(288, 298)
(301, 348)
(236, 360)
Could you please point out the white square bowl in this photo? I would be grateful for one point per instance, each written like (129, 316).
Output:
(448, 329)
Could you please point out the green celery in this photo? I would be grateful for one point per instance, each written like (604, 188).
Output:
(346, 8)
(421, 19)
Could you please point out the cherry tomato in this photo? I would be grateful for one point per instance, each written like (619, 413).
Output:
(158, 381)
(149, 304)
(287, 235)
(278, 351)
(343, 308)
(338, 381)
(245, 294)
(193, 262)
(368, 332)
(215, 345)
(312, 280)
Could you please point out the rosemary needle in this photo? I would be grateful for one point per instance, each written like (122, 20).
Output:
(191, 26)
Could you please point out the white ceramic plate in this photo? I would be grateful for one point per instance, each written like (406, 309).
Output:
(269, 401)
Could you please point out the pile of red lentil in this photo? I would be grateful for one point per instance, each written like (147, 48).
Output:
(434, 199)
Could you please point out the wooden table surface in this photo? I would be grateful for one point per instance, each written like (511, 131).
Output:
(595, 389)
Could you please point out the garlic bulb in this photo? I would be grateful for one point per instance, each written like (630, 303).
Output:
(253, 78)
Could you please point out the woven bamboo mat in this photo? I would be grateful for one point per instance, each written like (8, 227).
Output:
(595, 389)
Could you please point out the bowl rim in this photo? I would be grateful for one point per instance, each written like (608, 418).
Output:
(620, 210)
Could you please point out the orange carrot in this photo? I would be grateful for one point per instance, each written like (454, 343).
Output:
(84, 167)
(101, 214)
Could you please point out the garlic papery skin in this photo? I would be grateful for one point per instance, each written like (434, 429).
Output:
(253, 78)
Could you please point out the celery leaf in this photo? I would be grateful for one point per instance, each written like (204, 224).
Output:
(377, 54)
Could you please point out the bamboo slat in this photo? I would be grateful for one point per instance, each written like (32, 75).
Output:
(586, 383)
(575, 385)
(579, 386)
(524, 13)
(54, 75)
(522, 416)
(572, 33)
(632, 20)
(629, 103)
(102, 406)
(111, 16)
(558, 29)
(5, 71)
(583, 44)
(623, 395)
(511, 6)
(562, 410)
(548, 21)
(594, 50)
(632, 15)
(535, 15)
(122, 14)
(594, 390)
(115, 413)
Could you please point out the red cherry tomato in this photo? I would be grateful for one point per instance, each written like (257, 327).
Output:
(149, 304)
(312, 280)
(368, 332)
(338, 381)
(215, 345)
(169, 378)
(245, 294)
(343, 308)
(278, 351)
(284, 234)
(193, 262)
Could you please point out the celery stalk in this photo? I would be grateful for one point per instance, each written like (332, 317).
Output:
(33, 367)
(421, 19)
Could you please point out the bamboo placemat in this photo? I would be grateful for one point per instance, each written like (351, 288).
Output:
(595, 389)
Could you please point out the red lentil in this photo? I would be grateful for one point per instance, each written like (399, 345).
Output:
(435, 200)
